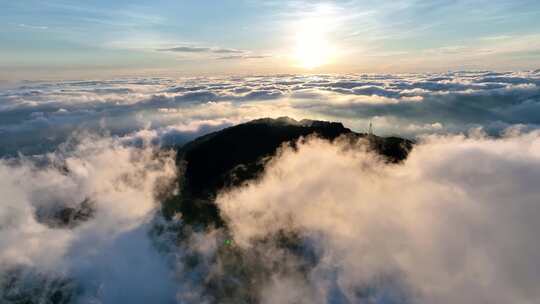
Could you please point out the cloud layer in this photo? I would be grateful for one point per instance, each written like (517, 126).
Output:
(456, 223)
(105, 259)
(38, 116)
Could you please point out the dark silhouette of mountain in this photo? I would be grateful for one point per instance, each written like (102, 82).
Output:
(237, 154)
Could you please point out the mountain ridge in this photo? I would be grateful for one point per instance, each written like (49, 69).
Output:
(237, 154)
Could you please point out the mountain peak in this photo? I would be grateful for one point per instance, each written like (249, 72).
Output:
(234, 155)
(287, 121)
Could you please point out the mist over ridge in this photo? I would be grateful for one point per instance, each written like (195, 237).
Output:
(326, 221)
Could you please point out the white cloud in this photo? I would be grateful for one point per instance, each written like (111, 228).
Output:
(437, 184)
(404, 104)
(110, 256)
(199, 49)
(33, 27)
(456, 223)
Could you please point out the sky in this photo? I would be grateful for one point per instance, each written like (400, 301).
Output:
(96, 98)
(61, 39)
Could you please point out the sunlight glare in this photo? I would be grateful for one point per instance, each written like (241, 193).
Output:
(312, 46)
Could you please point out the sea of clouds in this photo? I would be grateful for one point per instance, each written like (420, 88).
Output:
(37, 116)
(455, 223)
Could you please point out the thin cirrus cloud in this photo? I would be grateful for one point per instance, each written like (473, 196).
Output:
(196, 49)
(410, 36)
(239, 57)
(224, 53)
(33, 27)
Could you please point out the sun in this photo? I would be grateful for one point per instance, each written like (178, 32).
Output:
(312, 46)
(312, 51)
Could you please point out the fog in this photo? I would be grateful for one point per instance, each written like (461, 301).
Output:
(107, 258)
(455, 223)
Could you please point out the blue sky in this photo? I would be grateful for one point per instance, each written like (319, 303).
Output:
(74, 39)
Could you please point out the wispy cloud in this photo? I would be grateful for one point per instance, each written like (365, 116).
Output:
(198, 49)
(240, 57)
(227, 51)
(33, 27)
(496, 38)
